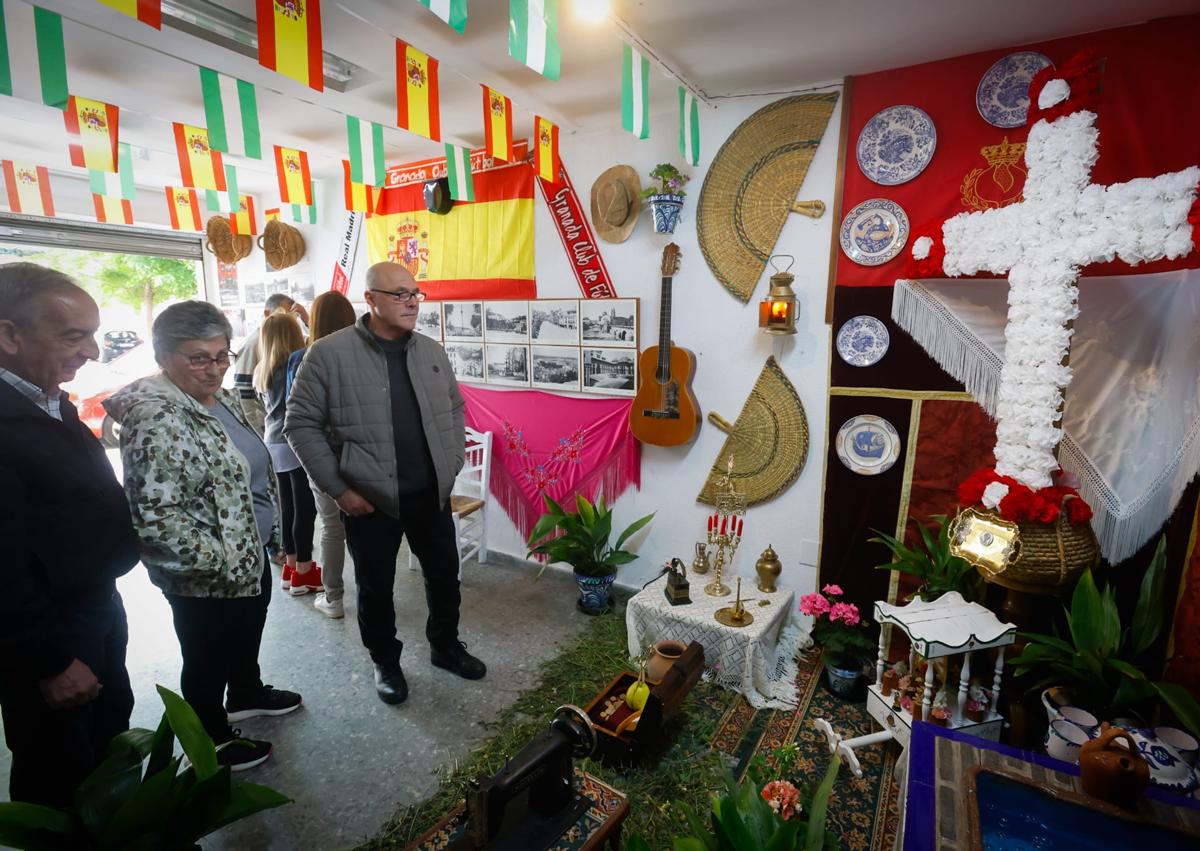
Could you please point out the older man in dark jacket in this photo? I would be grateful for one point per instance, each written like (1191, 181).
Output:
(67, 535)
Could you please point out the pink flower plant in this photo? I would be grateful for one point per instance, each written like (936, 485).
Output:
(847, 613)
(782, 797)
(814, 605)
(838, 627)
(833, 590)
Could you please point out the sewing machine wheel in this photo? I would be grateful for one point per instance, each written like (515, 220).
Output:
(575, 723)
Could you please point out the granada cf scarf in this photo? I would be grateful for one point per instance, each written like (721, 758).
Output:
(554, 445)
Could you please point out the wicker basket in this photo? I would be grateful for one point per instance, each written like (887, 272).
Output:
(227, 246)
(282, 243)
(1052, 557)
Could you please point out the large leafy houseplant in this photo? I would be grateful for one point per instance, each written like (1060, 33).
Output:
(141, 797)
(933, 564)
(581, 538)
(1105, 665)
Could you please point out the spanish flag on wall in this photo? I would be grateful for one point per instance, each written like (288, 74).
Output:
(497, 124)
(271, 214)
(295, 182)
(92, 128)
(183, 206)
(417, 92)
(200, 166)
(28, 189)
(360, 197)
(113, 211)
(289, 40)
(146, 11)
(545, 149)
(243, 221)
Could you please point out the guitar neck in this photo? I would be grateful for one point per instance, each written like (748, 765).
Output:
(664, 330)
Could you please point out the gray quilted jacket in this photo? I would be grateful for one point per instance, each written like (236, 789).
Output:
(339, 415)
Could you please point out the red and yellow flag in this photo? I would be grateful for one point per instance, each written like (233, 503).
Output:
(360, 197)
(92, 129)
(545, 149)
(289, 40)
(244, 221)
(113, 211)
(28, 189)
(200, 166)
(183, 206)
(271, 214)
(497, 124)
(417, 92)
(146, 11)
(295, 181)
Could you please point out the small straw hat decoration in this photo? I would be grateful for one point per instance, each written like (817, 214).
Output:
(616, 203)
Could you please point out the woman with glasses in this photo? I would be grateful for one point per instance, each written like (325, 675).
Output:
(203, 498)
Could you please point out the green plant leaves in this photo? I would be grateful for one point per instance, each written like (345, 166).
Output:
(633, 528)
(820, 807)
(190, 732)
(35, 827)
(1147, 617)
(1087, 614)
(1180, 701)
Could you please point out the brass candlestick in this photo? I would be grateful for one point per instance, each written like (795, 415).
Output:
(735, 615)
(725, 529)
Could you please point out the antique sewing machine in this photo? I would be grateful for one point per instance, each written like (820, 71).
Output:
(529, 803)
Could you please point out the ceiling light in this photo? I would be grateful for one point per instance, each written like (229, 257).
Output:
(593, 11)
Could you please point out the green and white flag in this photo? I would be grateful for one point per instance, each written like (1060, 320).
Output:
(458, 170)
(52, 57)
(228, 201)
(227, 122)
(533, 35)
(306, 213)
(5, 68)
(366, 151)
(453, 12)
(689, 127)
(635, 92)
(117, 184)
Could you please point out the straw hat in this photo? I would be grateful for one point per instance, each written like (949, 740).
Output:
(615, 203)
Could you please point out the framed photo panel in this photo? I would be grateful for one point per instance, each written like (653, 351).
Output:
(610, 371)
(554, 322)
(555, 367)
(466, 359)
(463, 321)
(506, 321)
(609, 322)
(429, 319)
(507, 364)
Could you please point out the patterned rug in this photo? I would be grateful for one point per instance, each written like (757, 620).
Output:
(862, 812)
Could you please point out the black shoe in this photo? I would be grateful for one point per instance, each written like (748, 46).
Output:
(266, 701)
(240, 754)
(390, 684)
(458, 660)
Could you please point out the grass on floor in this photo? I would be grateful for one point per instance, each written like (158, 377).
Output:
(682, 769)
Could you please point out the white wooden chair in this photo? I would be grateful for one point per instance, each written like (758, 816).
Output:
(468, 501)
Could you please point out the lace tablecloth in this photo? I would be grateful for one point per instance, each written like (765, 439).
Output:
(758, 661)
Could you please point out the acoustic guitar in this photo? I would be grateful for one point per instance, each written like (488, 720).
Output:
(664, 411)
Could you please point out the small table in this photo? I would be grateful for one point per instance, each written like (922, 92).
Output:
(601, 823)
(758, 661)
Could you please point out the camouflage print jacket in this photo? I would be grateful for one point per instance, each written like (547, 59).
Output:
(189, 491)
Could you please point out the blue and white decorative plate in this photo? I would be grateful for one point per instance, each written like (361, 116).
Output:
(863, 341)
(1002, 96)
(868, 445)
(874, 232)
(896, 145)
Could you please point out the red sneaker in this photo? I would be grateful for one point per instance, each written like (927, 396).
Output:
(307, 582)
(288, 573)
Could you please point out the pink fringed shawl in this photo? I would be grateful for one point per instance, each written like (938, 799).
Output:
(557, 445)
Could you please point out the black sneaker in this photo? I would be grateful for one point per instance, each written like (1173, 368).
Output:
(458, 660)
(390, 684)
(240, 754)
(267, 701)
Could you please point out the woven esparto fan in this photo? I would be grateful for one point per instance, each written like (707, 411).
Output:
(752, 184)
(769, 441)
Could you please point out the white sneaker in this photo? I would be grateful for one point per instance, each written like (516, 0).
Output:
(327, 607)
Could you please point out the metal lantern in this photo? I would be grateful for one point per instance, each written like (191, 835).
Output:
(777, 312)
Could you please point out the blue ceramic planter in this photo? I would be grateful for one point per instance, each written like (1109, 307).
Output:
(594, 592)
(666, 212)
(842, 680)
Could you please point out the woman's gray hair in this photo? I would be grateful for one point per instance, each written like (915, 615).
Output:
(187, 320)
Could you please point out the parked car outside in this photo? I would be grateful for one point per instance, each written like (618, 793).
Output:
(96, 381)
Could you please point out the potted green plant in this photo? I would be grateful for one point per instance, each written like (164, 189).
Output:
(581, 539)
(842, 634)
(666, 200)
(932, 562)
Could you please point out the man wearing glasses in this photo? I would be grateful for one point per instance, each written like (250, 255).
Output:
(376, 419)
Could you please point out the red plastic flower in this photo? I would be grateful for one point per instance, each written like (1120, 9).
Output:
(1078, 511)
(782, 797)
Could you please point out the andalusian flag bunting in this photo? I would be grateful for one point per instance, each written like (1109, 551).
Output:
(112, 211)
(146, 11)
(289, 40)
(52, 57)
(417, 92)
(183, 206)
(295, 181)
(5, 68)
(689, 127)
(119, 184)
(453, 12)
(243, 220)
(28, 189)
(224, 201)
(497, 124)
(92, 133)
(359, 196)
(533, 35)
(271, 214)
(458, 171)
(306, 213)
(229, 101)
(200, 166)
(545, 149)
(635, 92)
(365, 139)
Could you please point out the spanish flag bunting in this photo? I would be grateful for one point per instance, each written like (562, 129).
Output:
(359, 196)
(243, 220)
(271, 214)
(497, 124)
(52, 57)
(200, 166)
(113, 211)
(92, 130)
(146, 11)
(295, 181)
(417, 92)
(289, 40)
(28, 189)
(183, 206)
(545, 150)
(119, 184)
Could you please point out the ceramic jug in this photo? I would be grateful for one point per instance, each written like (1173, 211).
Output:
(1110, 772)
(665, 655)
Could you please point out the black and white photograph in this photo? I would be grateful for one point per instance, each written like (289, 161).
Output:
(507, 364)
(429, 319)
(466, 360)
(506, 322)
(463, 320)
(555, 367)
(610, 322)
(554, 321)
(610, 371)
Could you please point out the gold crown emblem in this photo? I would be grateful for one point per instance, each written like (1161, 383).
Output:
(1000, 182)
(293, 9)
(94, 119)
(416, 74)
(183, 201)
(198, 143)
(292, 164)
(545, 137)
(27, 176)
(1006, 153)
(497, 105)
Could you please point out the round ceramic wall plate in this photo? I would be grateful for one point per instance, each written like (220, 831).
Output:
(874, 232)
(1002, 96)
(896, 145)
(863, 341)
(868, 445)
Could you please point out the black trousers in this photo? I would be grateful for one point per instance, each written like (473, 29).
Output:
(374, 541)
(53, 750)
(299, 510)
(219, 638)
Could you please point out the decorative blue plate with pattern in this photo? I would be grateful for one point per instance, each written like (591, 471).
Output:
(874, 232)
(896, 145)
(863, 341)
(1002, 96)
(868, 445)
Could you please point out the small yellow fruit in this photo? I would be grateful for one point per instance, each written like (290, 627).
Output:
(637, 694)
